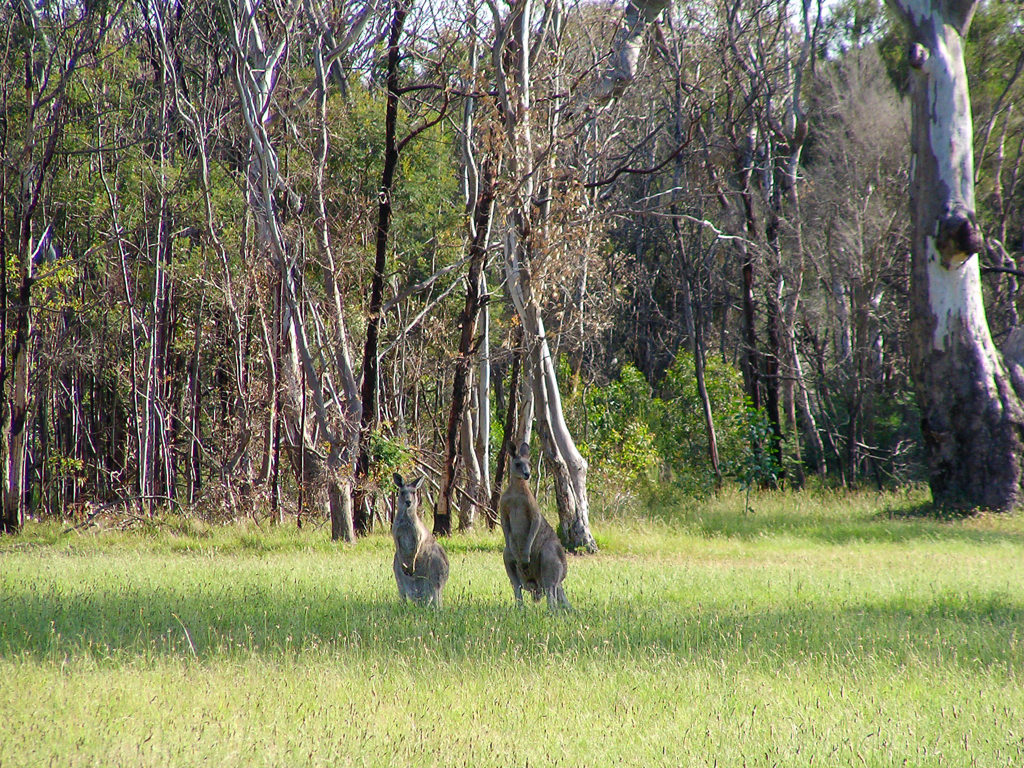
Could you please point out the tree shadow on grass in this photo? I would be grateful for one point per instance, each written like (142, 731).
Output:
(896, 525)
(929, 512)
(150, 627)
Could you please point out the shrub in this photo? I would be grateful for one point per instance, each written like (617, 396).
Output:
(633, 437)
(679, 422)
(617, 437)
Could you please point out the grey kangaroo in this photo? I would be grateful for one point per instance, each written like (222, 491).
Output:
(534, 558)
(421, 565)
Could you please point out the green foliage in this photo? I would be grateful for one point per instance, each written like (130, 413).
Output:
(619, 443)
(386, 457)
(756, 466)
(636, 438)
(994, 46)
(994, 50)
(854, 24)
(426, 228)
(682, 435)
(430, 235)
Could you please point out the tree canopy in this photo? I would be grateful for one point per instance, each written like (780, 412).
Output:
(695, 253)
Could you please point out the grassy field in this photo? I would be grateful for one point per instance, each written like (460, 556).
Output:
(820, 630)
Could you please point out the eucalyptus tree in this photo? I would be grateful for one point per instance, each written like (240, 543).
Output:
(521, 34)
(182, 46)
(971, 411)
(259, 37)
(369, 387)
(466, 425)
(765, 53)
(45, 45)
(722, 120)
(259, 42)
(856, 234)
(418, 98)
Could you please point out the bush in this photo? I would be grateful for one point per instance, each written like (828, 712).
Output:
(638, 440)
(617, 440)
(679, 424)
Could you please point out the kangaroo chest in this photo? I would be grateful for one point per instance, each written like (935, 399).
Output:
(408, 534)
(516, 511)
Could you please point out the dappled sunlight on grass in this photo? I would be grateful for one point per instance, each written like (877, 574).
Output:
(758, 605)
(779, 637)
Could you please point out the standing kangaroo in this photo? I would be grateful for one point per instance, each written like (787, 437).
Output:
(421, 565)
(534, 557)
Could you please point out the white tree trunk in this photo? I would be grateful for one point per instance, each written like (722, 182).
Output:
(567, 465)
(524, 419)
(469, 501)
(972, 418)
(563, 458)
(483, 397)
(256, 63)
(625, 56)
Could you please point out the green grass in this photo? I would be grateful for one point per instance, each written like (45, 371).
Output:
(822, 630)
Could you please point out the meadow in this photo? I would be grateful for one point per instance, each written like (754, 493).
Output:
(834, 630)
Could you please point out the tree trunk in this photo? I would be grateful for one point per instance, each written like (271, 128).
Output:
(339, 494)
(972, 419)
(510, 424)
(471, 196)
(482, 437)
(34, 172)
(568, 467)
(803, 402)
(566, 463)
(361, 513)
(460, 383)
(751, 361)
(697, 349)
(473, 495)
(17, 438)
(772, 374)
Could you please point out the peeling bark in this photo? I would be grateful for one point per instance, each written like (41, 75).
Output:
(972, 419)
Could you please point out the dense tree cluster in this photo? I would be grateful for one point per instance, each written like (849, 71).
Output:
(259, 255)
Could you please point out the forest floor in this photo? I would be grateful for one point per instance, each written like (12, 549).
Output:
(821, 629)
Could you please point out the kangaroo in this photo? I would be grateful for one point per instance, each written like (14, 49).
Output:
(534, 558)
(421, 565)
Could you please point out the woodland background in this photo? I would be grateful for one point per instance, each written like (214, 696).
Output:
(259, 255)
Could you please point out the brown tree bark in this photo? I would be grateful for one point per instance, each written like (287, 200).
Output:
(460, 382)
(362, 517)
(510, 426)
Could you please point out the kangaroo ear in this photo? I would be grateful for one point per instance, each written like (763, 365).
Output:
(417, 483)
(524, 449)
(511, 448)
(398, 480)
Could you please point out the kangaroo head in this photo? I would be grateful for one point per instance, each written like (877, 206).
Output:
(520, 460)
(407, 493)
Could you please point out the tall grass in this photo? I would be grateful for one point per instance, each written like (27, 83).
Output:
(820, 630)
